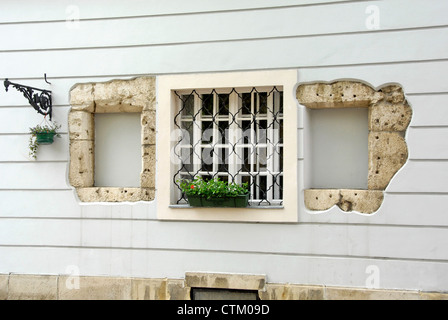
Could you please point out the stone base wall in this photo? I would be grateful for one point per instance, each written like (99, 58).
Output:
(64, 287)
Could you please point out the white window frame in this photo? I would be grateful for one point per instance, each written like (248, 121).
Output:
(167, 86)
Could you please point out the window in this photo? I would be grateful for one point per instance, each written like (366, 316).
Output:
(238, 126)
(235, 135)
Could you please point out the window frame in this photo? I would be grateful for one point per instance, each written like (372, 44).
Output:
(195, 144)
(168, 85)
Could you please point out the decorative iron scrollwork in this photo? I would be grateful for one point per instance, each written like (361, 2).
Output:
(40, 101)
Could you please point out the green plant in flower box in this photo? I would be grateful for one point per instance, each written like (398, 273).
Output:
(215, 193)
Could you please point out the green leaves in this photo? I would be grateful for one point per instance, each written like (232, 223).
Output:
(213, 188)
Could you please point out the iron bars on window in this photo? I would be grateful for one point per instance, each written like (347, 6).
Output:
(235, 135)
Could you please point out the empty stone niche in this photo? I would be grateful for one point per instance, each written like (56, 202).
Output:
(389, 115)
(116, 96)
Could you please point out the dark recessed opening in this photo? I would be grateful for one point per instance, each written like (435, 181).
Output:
(223, 294)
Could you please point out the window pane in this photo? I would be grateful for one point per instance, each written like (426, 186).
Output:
(188, 105)
(207, 105)
(223, 104)
(246, 103)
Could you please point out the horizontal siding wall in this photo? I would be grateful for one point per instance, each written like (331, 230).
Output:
(44, 229)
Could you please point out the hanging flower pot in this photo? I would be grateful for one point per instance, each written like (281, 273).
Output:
(42, 134)
(45, 137)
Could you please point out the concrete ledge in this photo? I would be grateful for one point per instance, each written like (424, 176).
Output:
(64, 287)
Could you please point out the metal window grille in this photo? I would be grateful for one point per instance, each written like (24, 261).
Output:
(235, 135)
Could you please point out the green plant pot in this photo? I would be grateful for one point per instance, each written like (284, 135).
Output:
(230, 202)
(45, 137)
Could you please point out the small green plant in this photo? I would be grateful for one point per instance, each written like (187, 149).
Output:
(213, 188)
(49, 129)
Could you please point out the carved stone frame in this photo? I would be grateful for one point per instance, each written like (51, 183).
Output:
(136, 95)
(389, 117)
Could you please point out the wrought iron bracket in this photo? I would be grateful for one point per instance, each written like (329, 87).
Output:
(40, 100)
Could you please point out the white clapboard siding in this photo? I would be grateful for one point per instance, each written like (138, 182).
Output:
(429, 110)
(400, 242)
(219, 26)
(421, 176)
(47, 10)
(33, 175)
(428, 143)
(20, 119)
(378, 47)
(18, 150)
(39, 204)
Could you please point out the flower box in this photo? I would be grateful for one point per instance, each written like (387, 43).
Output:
(240, 201)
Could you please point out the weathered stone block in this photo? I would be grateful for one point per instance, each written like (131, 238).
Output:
(149, 289)
(341, 94)
(96, 288)
(110, 194)
(81, 169)
(388, 152)
(321, 199)
(176, 290)
(148, 175)
(81, 125)
(225, 281)
(292, 292)
(363, 201)
(32, 287)
(81, 97)
(125, 95)
(385, 116)
(338, 293)
(4, 278)
(148, 120)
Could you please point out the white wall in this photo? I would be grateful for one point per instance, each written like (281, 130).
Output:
(44, 229)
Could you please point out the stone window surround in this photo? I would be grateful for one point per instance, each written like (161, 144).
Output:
(135, 95)
(389, 115)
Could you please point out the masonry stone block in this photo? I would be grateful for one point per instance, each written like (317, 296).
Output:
(81, 125)
(359, 200)
(291, 292)
(388, 152)
(4, 279)
(149, 289)
(341, 94)
(81, 97)
(384, 116)
(111, 194)
(225, 281)
(96, 288)
(32, 287)
(81, 170)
